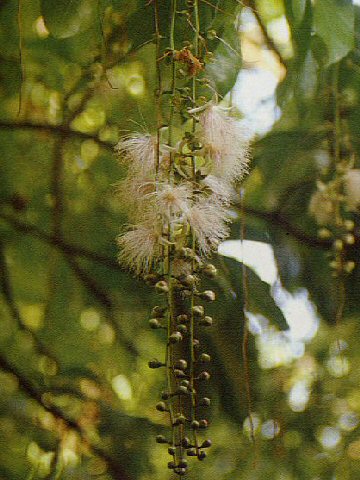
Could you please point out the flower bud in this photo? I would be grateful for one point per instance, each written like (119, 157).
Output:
(210, 270)
(165, 396)
(191, 452)
(204, 357)
(338, 245)
(204, 376)
(181, 364)
(175, 337)
(349, 266)
(349, 239)
(180, 420)
(195, 425)
(171, 450)
(196, 343)
(161, 287)
(179, 373)
(207, 295)
(206, 444)
(180, 471)
(182, 328)
(158, 311)
(156, 364)
(151, 278)
(161, 407)
(205, 402)
(182, 318)
(206, 321)
(324, 233)
(154, 323)
(189, 280)
(171, 465)
(161, 439)
(181, 390)
(203, 423)
(198, 311)
(201, 455)
(186, 442)
(349, 225)
(211, 34)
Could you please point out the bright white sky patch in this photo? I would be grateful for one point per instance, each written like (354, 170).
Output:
(276, 348)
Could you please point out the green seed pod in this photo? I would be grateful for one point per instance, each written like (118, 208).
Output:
(201, 455)
(206, 444)
(207, 295)
(203, 423)
(161, 439)
(175, 337)
(205, 402)
(198, 311)
(210, 270)
(156, 364)
(204, 358)
(161, 287)
(206, 321)
(191, 452)
(181, 364)
(204, 376)
(154, 323)
(161, 407)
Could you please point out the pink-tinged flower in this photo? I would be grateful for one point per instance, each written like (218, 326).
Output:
(219, 189)
(138, 151)
(140, 247)
(209, 222)
(226, 143)
(352, 189)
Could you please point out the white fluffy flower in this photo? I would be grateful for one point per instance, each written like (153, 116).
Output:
(171, 200)
(352, 189)
(226, 143)
(138, 151)
(209, 222)
(221, 190)
(140, 247)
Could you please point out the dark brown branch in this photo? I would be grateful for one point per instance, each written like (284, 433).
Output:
(28, 388)
(59, 243)
(54, 129)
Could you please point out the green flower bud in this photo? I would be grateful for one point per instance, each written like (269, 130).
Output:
(182, 390)
(161, 407)
(205, 402)
(191, 452)
(203, 424)
(198, 311)
(180, 420)
(204, 376)
(204, 358)
(183, 463)
(181, 364)
(175, 337)
(182, 318)
(156, 364)
(180, 471)
(201, 455)
(154, 323)
(171, 450)
(207, 295)
(185, 442)
(158, 311)
(182, 328)
(211, 34)
(195, 425)
(161, 287)
(206, 444)
(206, 321)
(161, 439)
(171, 465)
(210, 270)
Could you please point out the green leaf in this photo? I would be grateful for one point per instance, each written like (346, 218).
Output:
(298, 9)
(65, 18)
(334, 23)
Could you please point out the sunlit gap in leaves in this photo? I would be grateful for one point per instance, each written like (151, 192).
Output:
(278, 348)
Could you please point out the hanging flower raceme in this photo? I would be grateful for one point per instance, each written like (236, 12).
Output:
(178, 191)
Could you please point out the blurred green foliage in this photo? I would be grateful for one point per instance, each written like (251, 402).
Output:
(77, 399)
